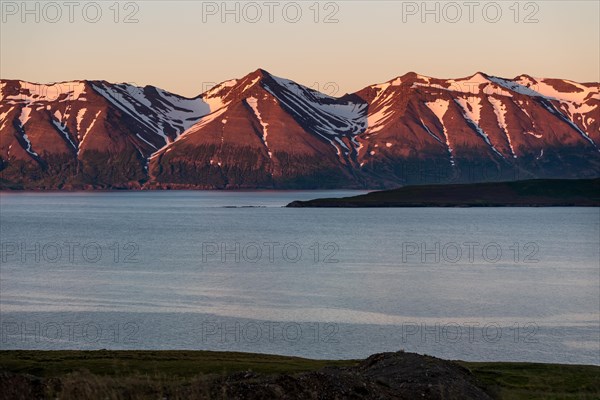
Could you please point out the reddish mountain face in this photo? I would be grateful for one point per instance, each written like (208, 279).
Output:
(265, 132)
(86, 134)
(480, 128)
(262, 131)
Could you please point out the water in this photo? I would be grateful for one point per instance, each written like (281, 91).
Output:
(236, 271)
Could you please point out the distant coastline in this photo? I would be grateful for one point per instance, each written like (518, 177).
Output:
(530, 193)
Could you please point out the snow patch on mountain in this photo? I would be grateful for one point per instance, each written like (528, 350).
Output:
(500, 111)
(3, 118)
(34, 92)
(186, 112)
(589, 121)
(153, 114)
(536, 135)
(342, 117)
(439, 108)
(471, 110)
(326, 116)
(215, 97)
(551, 107)
(80, 116)
(25, 115)
(124, 100)
(541, 154)
(29, 149)
(87, 131)
(196, 127)
(145, 141)
(541, 88)
(377, 121)
(429, 131)
(514, 86)
(62, 128)
(550, 92)
(250, 84)
(253, 103)
(341, 142)
(23, 118)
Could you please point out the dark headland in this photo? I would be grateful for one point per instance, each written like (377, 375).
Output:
(530, 193)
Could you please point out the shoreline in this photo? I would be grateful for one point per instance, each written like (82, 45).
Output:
(527, 193)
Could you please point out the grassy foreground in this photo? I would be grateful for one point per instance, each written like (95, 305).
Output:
(505, 380)
(168, 363)
(106, 371)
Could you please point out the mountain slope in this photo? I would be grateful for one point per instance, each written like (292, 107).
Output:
(86, 133)
(265, 132)
(262, 131)
(468, 128)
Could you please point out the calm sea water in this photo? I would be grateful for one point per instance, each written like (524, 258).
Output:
(237, 271)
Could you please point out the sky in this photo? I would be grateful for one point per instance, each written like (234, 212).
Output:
(333, 46)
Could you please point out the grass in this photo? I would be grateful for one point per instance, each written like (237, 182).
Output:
(144, 374)
(177, 363)
(512, 381)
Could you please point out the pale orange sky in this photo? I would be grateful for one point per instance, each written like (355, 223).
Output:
(185, 46)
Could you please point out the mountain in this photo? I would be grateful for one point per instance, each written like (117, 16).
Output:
(481, 127)
(262, 131)
(266, 132)
(86, 133)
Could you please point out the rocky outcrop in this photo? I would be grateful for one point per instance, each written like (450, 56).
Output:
(382, 376)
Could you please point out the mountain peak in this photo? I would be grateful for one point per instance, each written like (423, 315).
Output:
(524, 78)
(259, 72)
(480, 76)
(414, 76)
(410, 76)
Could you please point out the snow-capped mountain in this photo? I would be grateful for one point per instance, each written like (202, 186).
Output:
(481, 127)
(265, 132)
(262, 131)
(87, 133)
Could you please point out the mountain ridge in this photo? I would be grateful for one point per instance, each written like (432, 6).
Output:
(263, 131)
